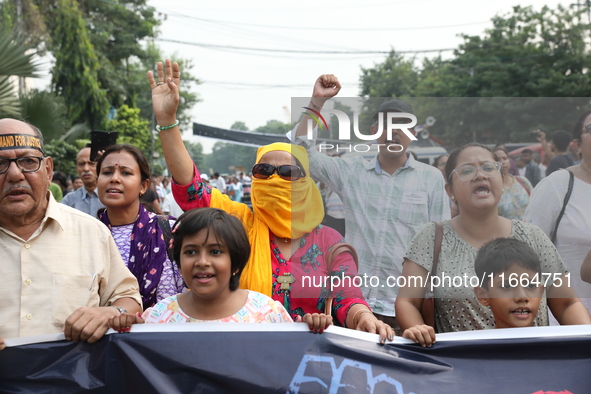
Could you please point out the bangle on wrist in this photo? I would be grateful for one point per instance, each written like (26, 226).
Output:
(160, 128)
(360, 311)
(317, 107)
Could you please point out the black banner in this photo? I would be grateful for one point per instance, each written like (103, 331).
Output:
(288, 360)
(248, 137)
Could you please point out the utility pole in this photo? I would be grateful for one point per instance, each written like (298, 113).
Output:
(587, 3)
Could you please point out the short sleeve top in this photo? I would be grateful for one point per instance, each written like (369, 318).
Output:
(258, 308)
(456, 306)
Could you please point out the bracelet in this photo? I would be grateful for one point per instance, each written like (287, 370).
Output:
(160, 128)
(119, 308)
(315, 106)
(357, 313)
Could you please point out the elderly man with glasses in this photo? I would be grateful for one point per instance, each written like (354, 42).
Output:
(61, 269)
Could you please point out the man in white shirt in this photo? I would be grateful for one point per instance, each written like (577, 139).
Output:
(61, 270)
(219, 182)
(160, 190)
(386, 200)
(170, 206)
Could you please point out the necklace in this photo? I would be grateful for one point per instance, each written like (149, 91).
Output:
(285, 279)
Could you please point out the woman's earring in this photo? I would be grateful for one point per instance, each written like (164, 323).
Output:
(453, 197)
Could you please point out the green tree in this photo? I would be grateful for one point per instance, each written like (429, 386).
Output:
(273, 127)
(528, 58)
(239, 125)
(63, 155)
(394, 77)
(118, 32)
(118, 29)
(133, 130)
(47, 111)
(226, 156)
(196, 152)
(16, 60)
(75, 74)
(30, 25)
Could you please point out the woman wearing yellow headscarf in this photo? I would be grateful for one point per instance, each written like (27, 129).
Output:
(288, 243)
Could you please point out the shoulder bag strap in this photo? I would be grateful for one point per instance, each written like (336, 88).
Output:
(164, 223)
(428, 305)
(522, 184)
(438, 241)
(569, 191)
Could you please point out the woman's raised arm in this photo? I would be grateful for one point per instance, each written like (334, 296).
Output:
(165, 101)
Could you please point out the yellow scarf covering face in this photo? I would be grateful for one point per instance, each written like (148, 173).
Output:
(288, 209)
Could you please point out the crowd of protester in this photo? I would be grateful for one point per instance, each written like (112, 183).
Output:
(189, 248)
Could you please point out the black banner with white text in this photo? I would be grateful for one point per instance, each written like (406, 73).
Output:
(286, 358)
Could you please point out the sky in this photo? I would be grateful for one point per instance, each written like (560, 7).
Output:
(254, 86)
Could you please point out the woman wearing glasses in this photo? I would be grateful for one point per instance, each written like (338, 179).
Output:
(572, 236)
(474, 180)
(288, 244)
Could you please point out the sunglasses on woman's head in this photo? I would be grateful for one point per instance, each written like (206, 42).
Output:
(287, 172)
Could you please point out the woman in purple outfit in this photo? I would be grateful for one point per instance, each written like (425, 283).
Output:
(123, 176)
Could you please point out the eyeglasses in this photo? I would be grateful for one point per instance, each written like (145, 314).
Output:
(468, 172)
(24, 163)
(587, 128)
(287, 172)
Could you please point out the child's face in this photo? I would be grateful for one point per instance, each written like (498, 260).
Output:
(206, 265)
(512, 297)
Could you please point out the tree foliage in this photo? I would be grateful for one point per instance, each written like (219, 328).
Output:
(118, 29)
(75, 74)
(196, 152)
(47, 111)
(31, 24)
(16, 60)
(133, 129)
(82, 35)
(527, 59)
(225, 157)
(63, 155)
(394, 77)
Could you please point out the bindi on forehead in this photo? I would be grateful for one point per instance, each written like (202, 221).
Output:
(114, 165)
